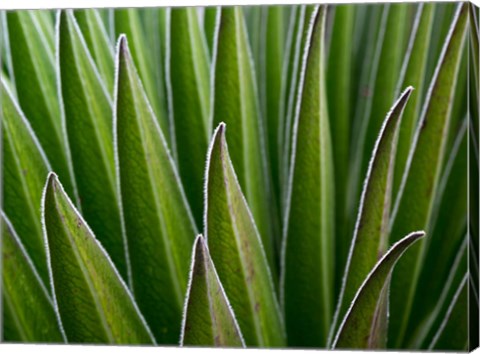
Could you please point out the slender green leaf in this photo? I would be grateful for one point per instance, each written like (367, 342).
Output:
(370, 240)
(159, 225)
(339, 72)
(30, 309)
(25, 168)
(235, 102)
(33, 61)
(356, 328)
(128, 22)
(309, 224)
(88, 120)
(209, 24)
(188, 75)
(208, 318)
(413, 74)
(384, 75)
(98, 43)
(94, 304)
(237, 251)
(453, 332)
(414, 203)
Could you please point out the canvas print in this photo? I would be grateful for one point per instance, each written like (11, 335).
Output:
(300, 176)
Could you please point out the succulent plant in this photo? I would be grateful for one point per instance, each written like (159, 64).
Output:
(263, 176)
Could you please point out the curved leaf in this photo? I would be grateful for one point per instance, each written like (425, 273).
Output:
(26, 300)
(188, 75)
(88, 120)
(94, 304)
(33, 59)
(208, 319)
(356, 328)
(159, 225)
(416, 195)
(25, 168)
(237, 251)
(309, 219)
(370, 239)
(235, 102)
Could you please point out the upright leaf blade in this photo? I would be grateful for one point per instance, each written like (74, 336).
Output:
(33, 60)
(188, 75)
(309, 224)
(94, 304)
(98, 43)
(355, 330)
(236, 249)
(159, 225)
(370, 239)
(30, 308)
(209, 24)
(235, 102)
(208, 319)
(414, 203)
(88, 117)
(25, 168)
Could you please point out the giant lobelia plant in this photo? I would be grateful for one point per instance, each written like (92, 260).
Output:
(241, 176)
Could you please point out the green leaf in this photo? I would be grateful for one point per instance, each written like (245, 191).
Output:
(128, 22)
(88, 120)
(414, 203)
(94, 304)
(413, 74)
(309, 223)
(356, 328)
(453, 332)
(159, 225)
(370, 239)
(188, 78)
(98, 43)
(25, 168)
(209, 24)
(237, 251)
(33, 59)
(208, 319)
(339, 78)
(26, 300)
(384, 75)
(235, 102)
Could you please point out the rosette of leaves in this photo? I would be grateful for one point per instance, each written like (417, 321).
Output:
(320, 152)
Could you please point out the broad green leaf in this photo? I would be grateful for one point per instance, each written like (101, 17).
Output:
(453, 332)
(88, 120)
(448, 227)
(356, 328)
(370, 239)
(31, 314)
(384, 76)
(252, 16)
(5, 50)
(159, 225)
(339, 77)
(188, 77)
(25, 168)
(209, 24)
(128, 22)
(208, 319)
(93, 301)
(309, 223)
(235, 102)
(294, 73)
(98, 43)
(413, 74)
(271, 85)
(236, 249)
(416, 195)
(33, 59)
